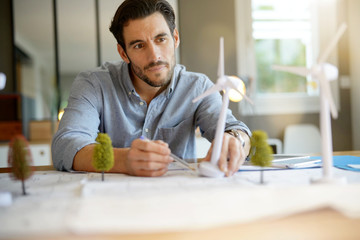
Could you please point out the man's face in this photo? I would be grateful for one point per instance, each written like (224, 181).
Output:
(150, 48)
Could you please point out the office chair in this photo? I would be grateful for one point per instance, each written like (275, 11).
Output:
(302, 139)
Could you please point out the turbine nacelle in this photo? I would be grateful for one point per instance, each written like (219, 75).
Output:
(331, 72)
(231, 83)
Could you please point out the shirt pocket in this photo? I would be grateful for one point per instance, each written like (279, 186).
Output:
(181, 137)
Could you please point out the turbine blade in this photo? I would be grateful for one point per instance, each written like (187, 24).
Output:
(302, 71)
(221, 71)
(232, 85)
(325, 89)
(247, 99)
(211, 90)
(332, 43)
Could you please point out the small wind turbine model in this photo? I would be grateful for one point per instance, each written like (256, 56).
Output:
(323, 72)
(225, 83)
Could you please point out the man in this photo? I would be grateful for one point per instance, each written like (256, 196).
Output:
(148, 95)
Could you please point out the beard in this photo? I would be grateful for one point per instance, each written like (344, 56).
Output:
(162, 81)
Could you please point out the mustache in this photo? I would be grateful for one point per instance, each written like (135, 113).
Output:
(154, 64)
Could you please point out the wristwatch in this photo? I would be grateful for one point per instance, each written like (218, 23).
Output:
(236, 134)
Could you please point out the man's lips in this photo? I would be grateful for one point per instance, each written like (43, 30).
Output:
(156, 68)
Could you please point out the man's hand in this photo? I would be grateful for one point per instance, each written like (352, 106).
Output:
(144, 158)
(233, 154)
(148, 158)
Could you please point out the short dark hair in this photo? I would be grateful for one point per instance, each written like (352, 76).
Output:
(136, 9)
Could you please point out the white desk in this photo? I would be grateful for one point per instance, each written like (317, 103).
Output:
(181, 205)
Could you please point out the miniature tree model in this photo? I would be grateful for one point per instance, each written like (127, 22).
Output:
(260, 152)
(103, 157)
(19, 159)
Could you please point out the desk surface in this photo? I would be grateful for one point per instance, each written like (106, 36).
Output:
(322, 224)
(297, 208)
(349, 153)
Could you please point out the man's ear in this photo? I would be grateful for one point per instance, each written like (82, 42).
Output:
(176, 38)
(122, 53)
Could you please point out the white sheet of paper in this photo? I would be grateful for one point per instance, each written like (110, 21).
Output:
(5, 199)
(60, 203)
(357, 166)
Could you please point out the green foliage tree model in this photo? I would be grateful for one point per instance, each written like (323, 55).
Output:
(260, 152)
(20, 160)
(103, 156)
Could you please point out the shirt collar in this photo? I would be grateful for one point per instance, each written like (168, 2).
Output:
(170, 89)
(127, 79)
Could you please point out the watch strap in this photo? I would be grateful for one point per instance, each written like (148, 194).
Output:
(236, 134)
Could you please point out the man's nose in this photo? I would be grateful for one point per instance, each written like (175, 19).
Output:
(153, 53)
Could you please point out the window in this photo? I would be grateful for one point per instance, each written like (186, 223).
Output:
(281, 32)
(282, 35)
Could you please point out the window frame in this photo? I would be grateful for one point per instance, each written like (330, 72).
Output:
(283, 103)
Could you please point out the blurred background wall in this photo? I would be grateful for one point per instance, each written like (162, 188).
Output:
(29, 60)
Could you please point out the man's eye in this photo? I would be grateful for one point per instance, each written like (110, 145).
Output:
(161, 39)
(138, 46)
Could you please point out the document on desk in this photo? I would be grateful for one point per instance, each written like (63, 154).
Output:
(294, 161)
(62, 203)
(350, 163)
(186, 209)
(175, 166)
(285, 161)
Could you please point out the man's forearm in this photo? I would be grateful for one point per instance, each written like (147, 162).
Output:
(83, 159)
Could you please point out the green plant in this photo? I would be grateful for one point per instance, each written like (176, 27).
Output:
(20, 160)
(103, 156)
(260, 152)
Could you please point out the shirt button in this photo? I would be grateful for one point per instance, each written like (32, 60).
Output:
(146, 130)
(141, 103)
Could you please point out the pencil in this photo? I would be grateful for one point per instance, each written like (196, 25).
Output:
(176, 158)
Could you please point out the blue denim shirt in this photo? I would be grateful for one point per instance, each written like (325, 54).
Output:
(104, 100)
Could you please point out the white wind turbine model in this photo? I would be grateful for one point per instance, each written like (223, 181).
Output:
(323, 72)
(225, 83)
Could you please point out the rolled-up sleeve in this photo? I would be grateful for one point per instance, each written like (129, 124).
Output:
(79, 124)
